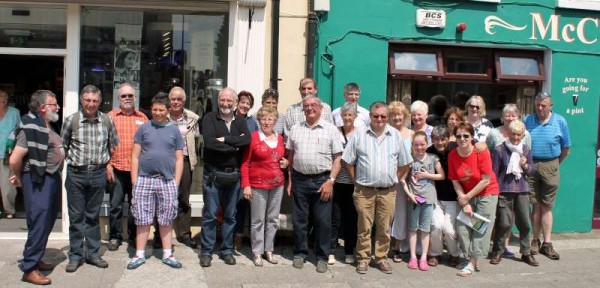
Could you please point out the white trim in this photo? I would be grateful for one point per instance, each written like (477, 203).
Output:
(33, 51)
(23, 235)
(579, 4)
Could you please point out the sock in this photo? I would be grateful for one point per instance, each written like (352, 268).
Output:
(140, 253)
(167, 253)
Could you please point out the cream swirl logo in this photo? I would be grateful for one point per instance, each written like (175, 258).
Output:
(493, 21)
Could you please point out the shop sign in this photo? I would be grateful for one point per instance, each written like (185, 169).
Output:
(551, 29)
(431, 18)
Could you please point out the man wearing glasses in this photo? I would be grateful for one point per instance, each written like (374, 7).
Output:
(89, 137)
(352, 94)
(550, 145)
(118, 171)
(376, 159)
(314, 151)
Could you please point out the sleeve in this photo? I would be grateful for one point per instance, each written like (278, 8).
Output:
(496, 158)
(179, 144)
(21, 140)
(527, 139)
(287, 127)
(452, 166)
(137, 137)
(565, 140)
(209, 131)
(288, 143)
(241, 137)
(530, 166)
(66, 132)
(485, 162)
(113, 139)
(336, 144)
(245, 167)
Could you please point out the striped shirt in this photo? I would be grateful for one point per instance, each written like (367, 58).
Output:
(295, 115)
(376, 160)
(313, 147)
(90, 143)
(126, 125)
(547, 140)
(344, 176)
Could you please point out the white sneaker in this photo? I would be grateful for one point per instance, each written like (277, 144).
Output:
(331, 260)
(349, 259)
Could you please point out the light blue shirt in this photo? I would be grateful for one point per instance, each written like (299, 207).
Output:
(376, 160)
(547, 140)
(8, 124)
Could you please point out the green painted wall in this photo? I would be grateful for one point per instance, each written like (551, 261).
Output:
(353, 41)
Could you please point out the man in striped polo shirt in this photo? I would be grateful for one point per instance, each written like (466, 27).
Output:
(551, 144)
(376, 159)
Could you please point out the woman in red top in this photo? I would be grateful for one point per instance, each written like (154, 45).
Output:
(262, 181)
(475, 183)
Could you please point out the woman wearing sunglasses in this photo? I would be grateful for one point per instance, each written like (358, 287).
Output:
(475, 111)
(477, 189)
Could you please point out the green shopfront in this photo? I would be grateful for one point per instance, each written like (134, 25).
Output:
(65, 45)
(505, 51)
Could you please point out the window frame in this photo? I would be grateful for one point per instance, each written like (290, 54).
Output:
(486, 54)
(415, 73)
(519, 54)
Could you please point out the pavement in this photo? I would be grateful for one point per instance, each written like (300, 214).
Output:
(577, 267)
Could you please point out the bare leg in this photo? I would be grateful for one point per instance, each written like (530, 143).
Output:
(424, 244)
(166, 235)
(546, 221)
(412, 238)
(535, 218)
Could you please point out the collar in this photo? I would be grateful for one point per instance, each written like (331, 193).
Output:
(386, 130)
(120, 111)
(218, 114)
(318, 124)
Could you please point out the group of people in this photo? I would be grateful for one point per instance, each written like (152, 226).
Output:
(348, 171)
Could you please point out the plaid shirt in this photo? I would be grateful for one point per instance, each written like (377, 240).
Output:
(90, 143)
(314, 147)
(294, 115)
(126, 125)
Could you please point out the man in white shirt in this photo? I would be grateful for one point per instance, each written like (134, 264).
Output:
(351, 94)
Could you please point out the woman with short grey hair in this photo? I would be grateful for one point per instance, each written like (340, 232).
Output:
(498, 135)
(418, 113)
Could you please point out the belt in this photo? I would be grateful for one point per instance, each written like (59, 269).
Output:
(326, 173)
(87, 167)
(156, 176)
(378, 188)
(545, 160)
(220, 169)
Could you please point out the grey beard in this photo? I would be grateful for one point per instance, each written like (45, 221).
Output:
(52, 116)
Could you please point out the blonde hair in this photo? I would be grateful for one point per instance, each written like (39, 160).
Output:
(516, 126)
(481, 105)
(399, 108)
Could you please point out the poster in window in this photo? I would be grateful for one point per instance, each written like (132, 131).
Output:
(128, 40)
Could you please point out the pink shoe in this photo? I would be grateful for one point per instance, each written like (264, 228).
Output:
(412, 264)
(423, 266)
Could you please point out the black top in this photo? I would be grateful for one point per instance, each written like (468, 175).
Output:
(227, 154)
(445, 190)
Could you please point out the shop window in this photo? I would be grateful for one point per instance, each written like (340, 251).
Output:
(33, 27)
(416, 62)
(463, 64)
(579, 4)
(519, 67)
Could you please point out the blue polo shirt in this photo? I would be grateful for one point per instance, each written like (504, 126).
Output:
(547, 140)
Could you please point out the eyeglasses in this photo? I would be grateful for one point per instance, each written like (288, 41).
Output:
(311, 105)
(463, 136)
(123, 96)
(52, 104)
(382, 117)
(474, 107)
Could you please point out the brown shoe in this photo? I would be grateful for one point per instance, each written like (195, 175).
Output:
(383, 266)
(496, 258)
(528, 258)
(362, 267)
(43, 266)
(548, 250)
(535, 246)
(270, 258)
(35, 277)
(433, 261)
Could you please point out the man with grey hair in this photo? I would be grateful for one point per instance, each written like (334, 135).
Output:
(314, 151)
(550, 145)
(225, 137)
(351, 94)
(36, 163)
(89, 137)
(187, 121)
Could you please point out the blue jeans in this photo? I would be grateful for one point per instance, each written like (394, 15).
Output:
(306, 200)
(41, 205)
(121, 187)
(85, 190)
(215, 195)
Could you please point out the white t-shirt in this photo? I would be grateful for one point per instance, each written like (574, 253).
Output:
(362, 119)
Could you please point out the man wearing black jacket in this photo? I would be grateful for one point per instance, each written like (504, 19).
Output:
(225, 136)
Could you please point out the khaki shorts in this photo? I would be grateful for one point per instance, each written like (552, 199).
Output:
(545, 182)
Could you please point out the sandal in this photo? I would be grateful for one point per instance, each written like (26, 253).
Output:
(397, 258)
(466, 271)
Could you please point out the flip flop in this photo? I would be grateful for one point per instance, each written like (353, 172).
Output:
(466, 271)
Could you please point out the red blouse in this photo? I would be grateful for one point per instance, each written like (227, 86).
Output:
(468, 171)
(260, 165)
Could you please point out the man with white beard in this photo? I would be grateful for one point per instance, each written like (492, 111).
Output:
(225, 137)
(35, 164)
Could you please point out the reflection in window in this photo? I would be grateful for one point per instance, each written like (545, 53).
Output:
(466, 64)
(37, 27)
(415, 61)
(519, 66)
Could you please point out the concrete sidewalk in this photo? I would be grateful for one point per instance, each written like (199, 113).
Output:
(580, 259)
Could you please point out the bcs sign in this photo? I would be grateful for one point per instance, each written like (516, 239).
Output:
(431, 18)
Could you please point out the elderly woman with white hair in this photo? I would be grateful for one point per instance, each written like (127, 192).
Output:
(418, 114)
(510, 112)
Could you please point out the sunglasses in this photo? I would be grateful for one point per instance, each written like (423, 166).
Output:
(463, 136)
(127, 96)
(474, 107)
(382, 117)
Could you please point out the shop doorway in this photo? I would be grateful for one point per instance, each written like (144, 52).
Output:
(21, 76)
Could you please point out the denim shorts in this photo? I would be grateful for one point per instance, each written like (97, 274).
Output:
(419, 217)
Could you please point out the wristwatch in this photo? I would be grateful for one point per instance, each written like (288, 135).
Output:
(332, 179)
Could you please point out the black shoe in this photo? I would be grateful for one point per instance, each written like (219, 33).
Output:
(98, 262)
(205, 261)
(228, 259)
(73, 266)
(113, 244)
(189, 242)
